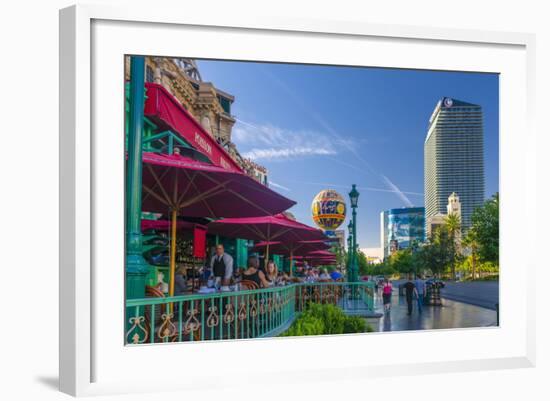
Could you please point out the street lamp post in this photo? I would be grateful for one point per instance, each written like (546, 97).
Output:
(354, 199)
(136, 266)
(350, 251)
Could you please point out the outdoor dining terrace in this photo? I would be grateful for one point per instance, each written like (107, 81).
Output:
(242, 314)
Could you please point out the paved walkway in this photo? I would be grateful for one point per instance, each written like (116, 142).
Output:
(452, 314)
(480, 293)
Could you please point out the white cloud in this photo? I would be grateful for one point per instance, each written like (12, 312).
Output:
(274, 184)
(285, 153)
(269, 142)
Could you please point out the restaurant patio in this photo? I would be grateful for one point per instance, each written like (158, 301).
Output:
(185, 196)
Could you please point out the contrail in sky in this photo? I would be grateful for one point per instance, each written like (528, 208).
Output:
(248, 124)
(320, 120)
(399, 193)
(328, 184)
(274, 184)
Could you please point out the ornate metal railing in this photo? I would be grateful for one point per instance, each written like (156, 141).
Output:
(236, 315)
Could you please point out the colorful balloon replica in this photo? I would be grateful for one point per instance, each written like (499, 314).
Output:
(328, 210)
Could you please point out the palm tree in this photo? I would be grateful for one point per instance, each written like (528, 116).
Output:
(471, 242)
(453, 226)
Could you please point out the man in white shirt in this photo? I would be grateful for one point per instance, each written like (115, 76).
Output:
(421, 290)
(221, 265)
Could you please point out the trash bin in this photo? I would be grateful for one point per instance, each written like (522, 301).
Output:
(433, 294)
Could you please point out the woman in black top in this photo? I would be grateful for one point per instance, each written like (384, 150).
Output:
(253, 273)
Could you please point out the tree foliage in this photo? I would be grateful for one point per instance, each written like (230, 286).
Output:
(403, 261)
(485, 230)
(438, 252)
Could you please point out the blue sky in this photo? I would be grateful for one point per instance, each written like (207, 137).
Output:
(318, 127)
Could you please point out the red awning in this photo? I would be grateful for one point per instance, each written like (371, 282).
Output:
(165, 111)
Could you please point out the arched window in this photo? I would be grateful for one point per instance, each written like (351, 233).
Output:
(149, 74)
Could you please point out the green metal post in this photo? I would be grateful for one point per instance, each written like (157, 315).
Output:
(354, 197)
(354, 246)
(350, 254)
(136, 266)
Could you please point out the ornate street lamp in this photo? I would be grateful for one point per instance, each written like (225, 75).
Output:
(354, 200)
(354, 197)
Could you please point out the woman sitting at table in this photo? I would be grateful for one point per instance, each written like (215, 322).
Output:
(253, 273)
(272, 272)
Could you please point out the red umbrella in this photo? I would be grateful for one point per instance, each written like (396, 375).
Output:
(317, 262)
(320, 254)
(182, 185)
(293, 248)
(312, 258)
(198, 189)
(268, 228)
(164, 225)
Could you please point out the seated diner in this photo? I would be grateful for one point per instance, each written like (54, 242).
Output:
(253, 273)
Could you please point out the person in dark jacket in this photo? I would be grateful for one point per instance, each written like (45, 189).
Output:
(410, 292)
(221, 265)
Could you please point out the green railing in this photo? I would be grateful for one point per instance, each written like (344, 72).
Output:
(237, 315)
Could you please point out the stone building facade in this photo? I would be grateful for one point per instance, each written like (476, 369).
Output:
(210, 106)
(454, 207)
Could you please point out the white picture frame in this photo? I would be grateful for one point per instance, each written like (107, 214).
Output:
(93, 361)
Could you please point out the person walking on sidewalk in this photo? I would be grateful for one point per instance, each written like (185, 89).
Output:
(420, 285)
(410, 291)
(386, 295)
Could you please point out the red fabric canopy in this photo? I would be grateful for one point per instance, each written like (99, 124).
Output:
(296, 248)
(198, 189)
(268, 228)
(166, 111)
(199, 241)
(164, 225)
(321, 253)
(317, 262)
(312, 257)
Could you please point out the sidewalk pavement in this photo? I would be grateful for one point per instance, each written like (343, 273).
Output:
(452, 314)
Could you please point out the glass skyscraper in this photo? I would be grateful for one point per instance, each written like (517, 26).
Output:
(453, 158)
(405, 226)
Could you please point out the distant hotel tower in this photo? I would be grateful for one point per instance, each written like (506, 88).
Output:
(453, 158)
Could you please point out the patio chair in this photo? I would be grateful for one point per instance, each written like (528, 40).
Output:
(249, 285)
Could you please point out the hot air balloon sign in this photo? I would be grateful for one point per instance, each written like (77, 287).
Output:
(328, 210)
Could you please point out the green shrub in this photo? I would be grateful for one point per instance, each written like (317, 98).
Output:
(355, 324)
(320, 319)
(332, 317)
(306, 325)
